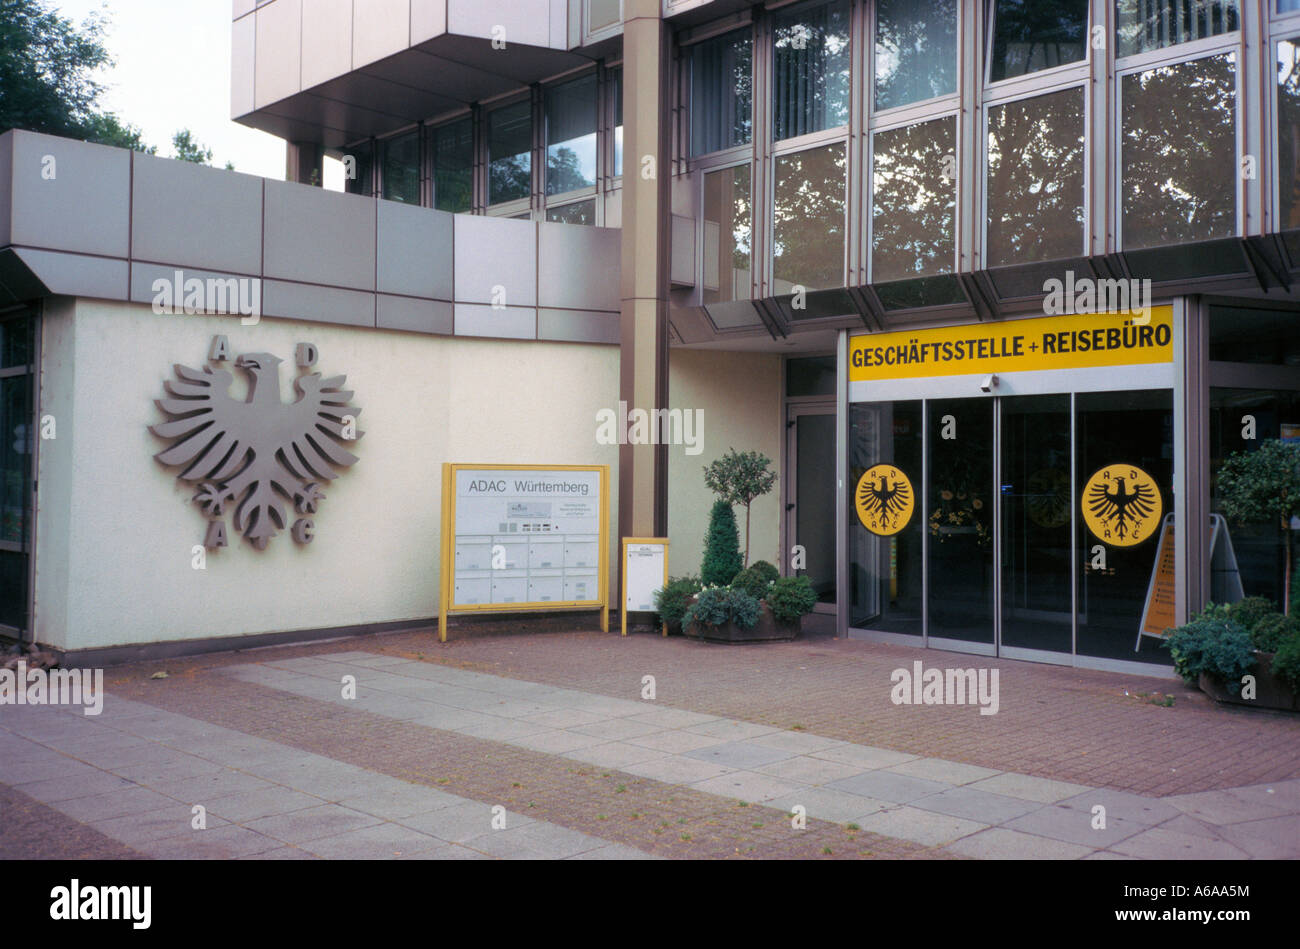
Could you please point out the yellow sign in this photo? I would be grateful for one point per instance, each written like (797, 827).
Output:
(1122, 505)
(1078, 341)
(884, 500)
(1159, 613)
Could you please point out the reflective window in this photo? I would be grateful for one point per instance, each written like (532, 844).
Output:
(914, 200)
(916, 51)
(1179, 181)
(1035, 184)
(580, 212)
(571, 135)
(1288, 133)
(722, 85)
(1144, 25)
(808, 218)
(1029, 35)
(811, 78)
(402, 168)
(510, 142)
(452, 146)
(618, 121)
(1288, 6)
(361, 180)
(727, 233)
(603, 13)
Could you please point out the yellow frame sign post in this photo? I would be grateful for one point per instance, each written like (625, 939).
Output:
(529, 515)
(626, 570)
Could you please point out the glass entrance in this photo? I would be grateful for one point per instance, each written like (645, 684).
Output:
(810, 521)
(17, 356)
(1037, 525)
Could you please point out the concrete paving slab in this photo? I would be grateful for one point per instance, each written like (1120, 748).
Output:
(406, 800)
(226, 842)
(1282, 794)
(136, 830)
(675, 741)
(615, 754)
(999, 843)
(52, 790)
(728, 730)
(739, 754)
(1147, 811)
(384, 841)
(922, 827)
(461, 822)
(947, 772)
(312, 823)
(677, 769)
(673, 718)
(1075, 826)
(563, 718)
(897, 788)
(1043, 790)
(505, 729)
(1272, 838)
(839, 807)
(245, 806)
(119, 803)
(612, 852)
(556, 742)
(618, 729)
(748, 786)
(1157, 844)
(203, 788)
(865, 757)
(979, 805)
(799, 743)
(1220, 807)
(808, 770)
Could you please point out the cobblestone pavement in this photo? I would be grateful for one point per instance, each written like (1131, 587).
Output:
(554, 733)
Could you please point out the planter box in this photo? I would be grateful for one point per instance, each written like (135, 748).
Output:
(766, 630)
(1270, 691)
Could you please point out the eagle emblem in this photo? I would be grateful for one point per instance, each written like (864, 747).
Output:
(1122, 505)
(256, 455)
(884, 500)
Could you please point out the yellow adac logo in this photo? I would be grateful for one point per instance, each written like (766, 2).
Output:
(1122, 505)
(884, 500)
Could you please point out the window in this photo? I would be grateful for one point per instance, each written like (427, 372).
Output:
(1029, 35)
(721, 93)
(1035, 183)
(727, 235)
(1145, 25)
(402, 168)
(1288, 133)
(361, 181)
(811, 76)
(452, 147)
(510, 142)
(603, 13)
(808, 220)
(1179, 164)
(618, 121)
(914, 200)
(916, 51)
(571, 135)
(580, 212)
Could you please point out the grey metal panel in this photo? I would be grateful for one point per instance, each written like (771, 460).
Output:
(76, 275)
(241, 7)
(513, 322)
(418, 316)
(428, 19)
(84, 208)
(6, 185)
(243, 43)
(525, 21)
(578, 326)
(144, 275)
(192, 215)
(495, 252)
(578, 266)
(298, 301)
(278, 51)
(319, 236)
(414, 248)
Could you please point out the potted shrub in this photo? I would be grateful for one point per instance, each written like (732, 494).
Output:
(724, 614)
(1264, 485)
(737, 478)
(1224, 642)
(721, 547)
(673, 600)
(721, 614)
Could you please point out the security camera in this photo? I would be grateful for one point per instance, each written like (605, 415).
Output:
(989, 384)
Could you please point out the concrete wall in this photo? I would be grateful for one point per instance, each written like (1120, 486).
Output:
(740, 394)
(116, 530)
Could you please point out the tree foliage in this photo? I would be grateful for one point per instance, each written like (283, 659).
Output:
(737, 478)
(187, 149)
(1264, 485)
(721, 547)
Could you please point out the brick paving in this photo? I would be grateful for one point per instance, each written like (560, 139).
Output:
(30, 830)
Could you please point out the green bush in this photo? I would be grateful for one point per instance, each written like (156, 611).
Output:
(790, 598)
(751, 581)
(721, 547)
(672, 600)
(718, 605)
(765, 570)
(1273, 630)
(1286, 662)
(1258, 616)
(1213, 645)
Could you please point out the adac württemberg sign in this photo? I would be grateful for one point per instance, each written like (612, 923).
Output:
(1077, 341)
(260, 453)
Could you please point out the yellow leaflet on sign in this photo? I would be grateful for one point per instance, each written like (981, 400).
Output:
(1078, 341)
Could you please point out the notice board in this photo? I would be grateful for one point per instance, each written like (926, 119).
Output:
(645, 573)
(1158, 613)
(524, 538)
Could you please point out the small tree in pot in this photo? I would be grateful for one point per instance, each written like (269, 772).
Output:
(721, 547)
(1264, 485)
(737, 478)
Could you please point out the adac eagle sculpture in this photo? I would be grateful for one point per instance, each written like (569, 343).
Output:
(261, 452)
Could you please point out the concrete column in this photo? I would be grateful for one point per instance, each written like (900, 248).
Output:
(643, 368)
(304, 163)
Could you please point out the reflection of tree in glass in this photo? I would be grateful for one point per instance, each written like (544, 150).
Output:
(811, 52)
(721, 93)
(510, 178)
(1288, 132)
(1035, 184)
(1180, 160)
(913, 204)
(808, 215)
(916, 51)
(1030, 35)
(1144, 25)
(564, 171)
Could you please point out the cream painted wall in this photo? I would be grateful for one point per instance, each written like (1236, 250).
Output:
(116, 530)
(740, 394)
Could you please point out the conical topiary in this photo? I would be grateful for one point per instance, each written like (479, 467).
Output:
(721, 547)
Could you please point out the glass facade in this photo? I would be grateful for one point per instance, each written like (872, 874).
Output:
(571, 135)
(916, 51)
(1032, 35)
(811, 69)
(1288, 133)
(17, 435)
(510, 157)
(913, 212)
(1145, 25)
(452, 148)
(579, 212)
(808, 228)
(721, 93)
(728, 233)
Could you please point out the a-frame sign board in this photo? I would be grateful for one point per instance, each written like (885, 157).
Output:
(1158, 613)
